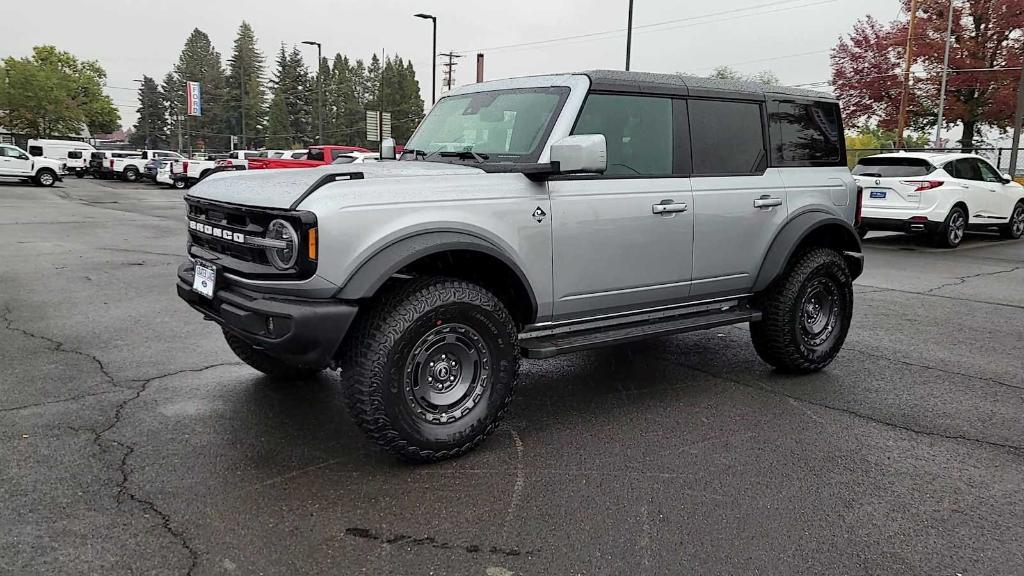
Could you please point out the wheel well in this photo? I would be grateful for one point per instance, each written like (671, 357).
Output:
(204, 173)
(481, 269)
(831, 236)
(967, 211)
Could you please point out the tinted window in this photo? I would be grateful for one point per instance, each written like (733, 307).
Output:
(638, 131)
(35, 150)
(989, 173)
(727, 138)
(248, 155)
(891, 167)
(315, 154)
(805, 133)
(74, 155)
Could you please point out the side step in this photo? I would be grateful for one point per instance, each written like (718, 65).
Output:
(539, 347)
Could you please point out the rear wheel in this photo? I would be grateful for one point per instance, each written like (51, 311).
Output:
(79, 173)
(260, 360)
(952, 232)
(179, 184)
(431, 368)
(1015, 228)
(46, 178)
(131, 174)
(806, 313)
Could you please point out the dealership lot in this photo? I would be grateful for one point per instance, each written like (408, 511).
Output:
(135, 442)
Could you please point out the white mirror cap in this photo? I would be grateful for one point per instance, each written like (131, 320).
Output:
(387, 149)
(1007, 177)
(582, 154)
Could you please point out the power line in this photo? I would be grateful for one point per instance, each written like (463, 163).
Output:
(660, 26)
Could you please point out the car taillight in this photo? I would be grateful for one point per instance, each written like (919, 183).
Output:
(184, 166)
(923, 185)
(860, 207)
(111, 163)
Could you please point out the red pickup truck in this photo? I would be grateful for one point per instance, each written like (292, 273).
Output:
(317, 156)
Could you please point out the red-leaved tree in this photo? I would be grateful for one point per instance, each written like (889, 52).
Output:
(988, 36)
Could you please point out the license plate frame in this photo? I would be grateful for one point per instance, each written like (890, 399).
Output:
(878, 194)
(204, 282)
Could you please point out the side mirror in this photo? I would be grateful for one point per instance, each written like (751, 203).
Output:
(1007, 178)
(387, 149)
(583, 154)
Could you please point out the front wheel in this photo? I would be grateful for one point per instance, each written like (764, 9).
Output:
(179, 184)
(79, 173)
(430, 369)
(46, 178)
(806, 313)
(260, 360)
(1015, 228)
(131, 174)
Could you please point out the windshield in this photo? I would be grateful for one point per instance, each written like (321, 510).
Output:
(504, 125)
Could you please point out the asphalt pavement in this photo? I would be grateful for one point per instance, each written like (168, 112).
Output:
(133, 442)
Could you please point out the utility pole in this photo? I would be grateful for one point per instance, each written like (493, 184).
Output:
(1018, 120)
(449, 73)
(629, 35)
(945, 77)
(241, 82)
(905, 99)
(380, 113)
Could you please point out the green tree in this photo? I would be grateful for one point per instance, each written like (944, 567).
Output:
(278, 129)
(402, 98)
(52, 93)
(200, 62)
(728, 73)
(150, 130)
(245, 89)
(293, 87)
(872, 139)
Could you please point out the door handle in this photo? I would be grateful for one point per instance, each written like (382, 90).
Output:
(767, 202)
(669, 207)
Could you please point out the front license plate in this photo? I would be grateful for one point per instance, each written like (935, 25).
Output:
(878, 193)
(205, 280)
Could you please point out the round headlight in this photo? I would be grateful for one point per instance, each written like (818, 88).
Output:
(285, 257)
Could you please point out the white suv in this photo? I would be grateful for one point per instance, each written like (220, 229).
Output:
(943, 195)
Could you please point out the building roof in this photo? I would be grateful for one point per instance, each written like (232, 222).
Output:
(692, 85)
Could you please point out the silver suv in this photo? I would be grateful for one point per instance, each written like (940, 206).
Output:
(534, 216)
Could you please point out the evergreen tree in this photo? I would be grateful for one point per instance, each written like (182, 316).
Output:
(245, 89)
(278, 129)
(402, 98)
(200, 62)
(293, 87)
(150, 130)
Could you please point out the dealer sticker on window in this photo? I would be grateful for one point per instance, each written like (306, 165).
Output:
(205, 279)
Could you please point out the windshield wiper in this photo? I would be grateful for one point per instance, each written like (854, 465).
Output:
(416, 154)
(464, 155)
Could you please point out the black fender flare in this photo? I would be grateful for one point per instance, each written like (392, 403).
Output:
(373, 272)
(798, 229)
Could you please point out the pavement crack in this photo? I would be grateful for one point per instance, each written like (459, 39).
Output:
(956, 298)
(936, 369)
(58, 401)
(58, 346)
(850, 412)
(124, 490)
(963, 279)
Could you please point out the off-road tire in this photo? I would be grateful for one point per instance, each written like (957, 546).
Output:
(1015, 228)
(131, 174)
(946, 236)
(381, 362)
(779, 337)
(45, 178)
(276, 369)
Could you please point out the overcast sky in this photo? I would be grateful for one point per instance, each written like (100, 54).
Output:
(135, 37)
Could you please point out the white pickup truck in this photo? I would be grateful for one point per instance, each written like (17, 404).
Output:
(185, 173)
(237, 158)
(131, 169)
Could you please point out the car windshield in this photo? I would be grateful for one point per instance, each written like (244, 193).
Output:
(503, 125)
(889, 167)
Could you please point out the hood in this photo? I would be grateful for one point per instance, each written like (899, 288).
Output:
(280, 188)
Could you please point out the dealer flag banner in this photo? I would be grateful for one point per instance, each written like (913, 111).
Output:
(195, 98)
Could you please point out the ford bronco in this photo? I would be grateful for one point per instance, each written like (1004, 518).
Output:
(534, 217)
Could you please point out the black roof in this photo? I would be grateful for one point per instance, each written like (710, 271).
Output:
(680, 85)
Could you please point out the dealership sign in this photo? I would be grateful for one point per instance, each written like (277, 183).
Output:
(195, 98)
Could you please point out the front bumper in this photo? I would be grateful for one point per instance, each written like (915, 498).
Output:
(898, 225)
(306, 332)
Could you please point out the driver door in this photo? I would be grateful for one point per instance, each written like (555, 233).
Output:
(998, 203)
(14, 162)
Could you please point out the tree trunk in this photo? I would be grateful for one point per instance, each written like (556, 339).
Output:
(967, 141)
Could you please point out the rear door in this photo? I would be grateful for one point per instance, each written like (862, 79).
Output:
(739, 203)
(624, 240)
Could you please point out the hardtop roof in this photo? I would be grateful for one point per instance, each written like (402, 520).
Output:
(693, 85)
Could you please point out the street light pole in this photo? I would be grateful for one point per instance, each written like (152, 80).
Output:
(945, 76)
(629, 35)
(433, 59)
(319, 87)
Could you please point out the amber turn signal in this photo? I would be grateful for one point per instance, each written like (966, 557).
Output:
(312, 243)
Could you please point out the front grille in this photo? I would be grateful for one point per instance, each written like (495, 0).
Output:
(220, 232)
